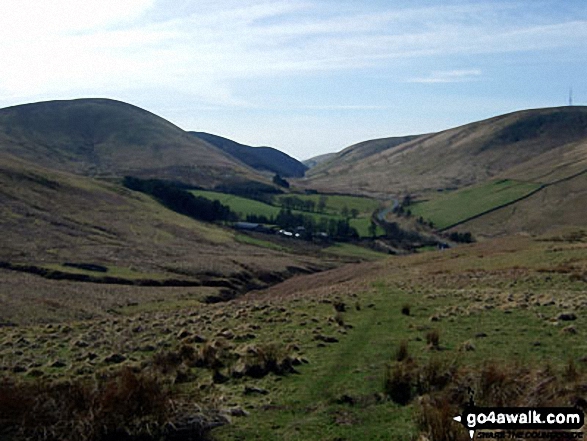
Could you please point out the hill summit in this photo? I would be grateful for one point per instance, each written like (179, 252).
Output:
(103, 137)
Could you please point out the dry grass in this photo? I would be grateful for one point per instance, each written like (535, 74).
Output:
(497, 385)
(125, 405)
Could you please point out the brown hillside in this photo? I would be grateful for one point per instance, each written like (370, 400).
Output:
(538, 144)
(101, 137)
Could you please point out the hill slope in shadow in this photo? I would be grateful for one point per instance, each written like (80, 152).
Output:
(265, 159)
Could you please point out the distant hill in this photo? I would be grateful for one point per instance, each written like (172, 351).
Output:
(358, 152)
(265, 159)
(541, 145)
(316, 160)
(102, 137)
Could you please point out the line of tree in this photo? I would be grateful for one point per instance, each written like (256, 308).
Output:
(338, 229)
(251, 190)
(278, 180)
(465, 237)
(295, 203)
(181, 201)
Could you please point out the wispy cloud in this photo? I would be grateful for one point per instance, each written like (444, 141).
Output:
(206, 49)
(449, 76)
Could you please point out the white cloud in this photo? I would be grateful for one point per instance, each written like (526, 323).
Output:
(28, 19)
(449, 76)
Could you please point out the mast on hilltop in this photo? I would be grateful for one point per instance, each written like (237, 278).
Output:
(570, 96)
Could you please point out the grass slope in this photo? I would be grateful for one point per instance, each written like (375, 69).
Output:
(356, 152)
(496, 303)
(559, 205)
(314, 161)
(490, 303)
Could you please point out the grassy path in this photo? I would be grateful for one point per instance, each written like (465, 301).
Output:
(312, 403)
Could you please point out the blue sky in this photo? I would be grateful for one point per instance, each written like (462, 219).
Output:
(305, 76)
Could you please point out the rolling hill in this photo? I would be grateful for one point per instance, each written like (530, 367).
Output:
(355, 152)
(265, 159)
(534, 145)
(107, 138)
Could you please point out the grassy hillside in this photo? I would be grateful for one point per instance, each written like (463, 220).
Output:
(100, 137)
(266, 159)
(324, 356)
(50, 218)
(523, 145)
(355, 153)
(314, 161)
(561, 204)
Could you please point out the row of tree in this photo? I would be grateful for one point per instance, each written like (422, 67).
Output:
(295, 203)
(180, 200)
(308, 226)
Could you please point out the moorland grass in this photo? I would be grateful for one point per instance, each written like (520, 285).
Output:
(361, 373)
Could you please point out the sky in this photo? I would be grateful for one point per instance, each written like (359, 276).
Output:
(305, 76)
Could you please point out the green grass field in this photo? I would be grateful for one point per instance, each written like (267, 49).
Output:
(449, 209)
(243, 207)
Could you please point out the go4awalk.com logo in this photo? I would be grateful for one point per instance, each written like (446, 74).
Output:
(523, 422)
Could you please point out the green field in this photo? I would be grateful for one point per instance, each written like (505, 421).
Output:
(449, 209)
(241, 206)
(334, 204)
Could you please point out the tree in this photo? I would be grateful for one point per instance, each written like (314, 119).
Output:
(278, 180)
(354, 213)
(345, 212)
(373, 230)
(322, 204)
(407, 200)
